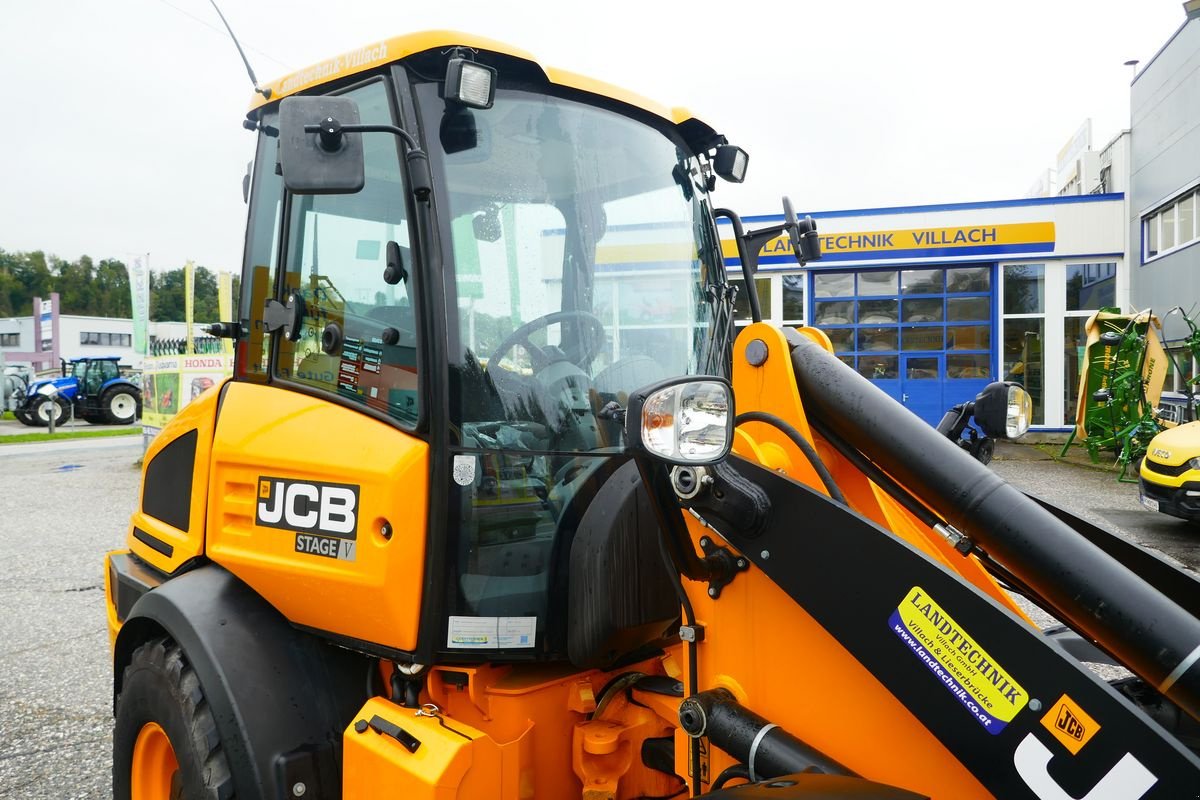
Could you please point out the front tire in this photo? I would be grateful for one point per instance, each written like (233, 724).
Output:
(22, 416)
(44, 407)
(165, 743)
(120, 405)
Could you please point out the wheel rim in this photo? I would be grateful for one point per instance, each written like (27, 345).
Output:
(122, 405)
(45, 409)
(154, 764)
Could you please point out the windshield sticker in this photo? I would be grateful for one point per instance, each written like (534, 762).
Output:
(463, 470)
(954, 657)
(491, 633)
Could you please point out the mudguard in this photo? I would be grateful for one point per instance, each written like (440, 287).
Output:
(280, 697)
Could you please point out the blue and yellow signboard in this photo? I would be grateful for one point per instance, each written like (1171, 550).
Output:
(973, 240)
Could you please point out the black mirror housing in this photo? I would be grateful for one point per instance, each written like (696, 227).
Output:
(1003, 410)
(326, 162)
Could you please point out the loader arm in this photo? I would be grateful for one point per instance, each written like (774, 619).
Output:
(1024, 717)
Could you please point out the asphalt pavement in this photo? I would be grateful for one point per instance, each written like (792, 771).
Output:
(1094, 493)
(63, 504)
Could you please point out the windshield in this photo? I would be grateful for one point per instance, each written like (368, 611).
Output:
(582, 248)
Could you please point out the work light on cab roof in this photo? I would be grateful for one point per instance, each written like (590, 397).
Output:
(471, 84)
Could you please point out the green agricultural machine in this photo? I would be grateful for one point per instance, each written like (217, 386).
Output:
(1120, 387)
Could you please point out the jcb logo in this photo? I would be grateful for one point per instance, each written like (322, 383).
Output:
(329, 508)
(1067, 723)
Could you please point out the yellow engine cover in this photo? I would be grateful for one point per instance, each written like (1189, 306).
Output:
(322, 510)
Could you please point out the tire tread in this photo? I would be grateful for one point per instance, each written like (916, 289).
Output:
(165, 658)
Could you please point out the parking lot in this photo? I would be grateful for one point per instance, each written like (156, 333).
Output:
(63, 504)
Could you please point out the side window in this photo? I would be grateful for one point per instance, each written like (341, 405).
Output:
(262, 244)
(359, 334)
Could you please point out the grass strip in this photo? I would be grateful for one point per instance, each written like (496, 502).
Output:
(68, 433)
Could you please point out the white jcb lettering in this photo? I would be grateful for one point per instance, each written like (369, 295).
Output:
(337, 509)
(307, 519)
(1128, 780)
(307, 507)
(272, 514)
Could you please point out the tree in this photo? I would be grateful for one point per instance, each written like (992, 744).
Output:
(167, 300)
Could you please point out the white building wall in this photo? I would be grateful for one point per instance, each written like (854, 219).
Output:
(76, 339)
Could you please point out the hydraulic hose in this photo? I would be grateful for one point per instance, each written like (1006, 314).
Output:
(766, 749)
(797, 439)
(1097, 595)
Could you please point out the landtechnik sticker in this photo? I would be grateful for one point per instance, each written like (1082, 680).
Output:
(956, 659)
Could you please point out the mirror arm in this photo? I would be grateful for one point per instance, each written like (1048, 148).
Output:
(954, 422)
(748, 255)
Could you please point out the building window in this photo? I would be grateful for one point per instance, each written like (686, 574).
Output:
(1023, 360)
(106, 339)
(793, 298)
(1091, 286)
(893, 324)
(10, 340)
(1171, 226)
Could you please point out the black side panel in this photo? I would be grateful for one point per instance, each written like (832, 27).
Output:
(167, 490)
(273, 690)
(620, 595)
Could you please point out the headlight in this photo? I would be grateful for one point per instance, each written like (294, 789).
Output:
(47, 389)
(1003, 410)
(1020, 412)
(1194, 463)
(682, 421)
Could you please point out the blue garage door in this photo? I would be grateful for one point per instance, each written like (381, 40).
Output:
(923, 335)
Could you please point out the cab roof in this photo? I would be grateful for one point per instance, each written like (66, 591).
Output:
(389, 50)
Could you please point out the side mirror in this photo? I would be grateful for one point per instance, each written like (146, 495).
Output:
(686, 420)
(327, 161)
(1004, 410)
(803, 235)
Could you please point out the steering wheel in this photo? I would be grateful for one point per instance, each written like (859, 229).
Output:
(592, 340)
(508, 382)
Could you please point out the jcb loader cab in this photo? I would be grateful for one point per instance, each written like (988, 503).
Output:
(466, 523)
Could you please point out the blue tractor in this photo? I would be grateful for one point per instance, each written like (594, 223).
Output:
(93, 388)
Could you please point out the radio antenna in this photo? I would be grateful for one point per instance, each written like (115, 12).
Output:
(264, 92)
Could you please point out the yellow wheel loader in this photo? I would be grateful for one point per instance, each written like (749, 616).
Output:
(496, 506)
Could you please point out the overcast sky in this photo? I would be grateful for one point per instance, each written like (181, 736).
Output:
(121, 129)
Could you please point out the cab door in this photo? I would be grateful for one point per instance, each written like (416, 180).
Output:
(319, 482)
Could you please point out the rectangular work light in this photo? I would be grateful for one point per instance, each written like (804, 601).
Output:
(470, 84)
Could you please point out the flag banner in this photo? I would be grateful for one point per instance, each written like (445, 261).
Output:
(189, 302)
(139, 291)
